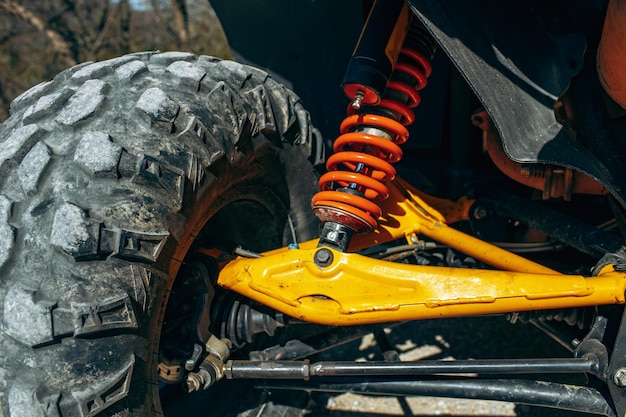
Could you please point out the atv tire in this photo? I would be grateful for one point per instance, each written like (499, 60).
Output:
(108, 175)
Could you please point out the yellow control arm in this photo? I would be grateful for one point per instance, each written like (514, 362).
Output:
(355, 289)
(325, 286)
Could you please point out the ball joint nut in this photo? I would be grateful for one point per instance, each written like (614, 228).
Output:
(323, 257)
(211, 370)
(198, 380)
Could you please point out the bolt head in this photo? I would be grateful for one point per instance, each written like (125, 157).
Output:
(323, 257)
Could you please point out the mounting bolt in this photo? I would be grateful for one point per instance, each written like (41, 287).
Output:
(323, 258)
(480, 212)
(619, 377)
(358, 100)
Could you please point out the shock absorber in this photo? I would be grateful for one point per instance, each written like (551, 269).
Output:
(383, 81)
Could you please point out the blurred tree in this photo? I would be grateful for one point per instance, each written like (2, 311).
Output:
(40, 38)
(64, 50)
(182, 22)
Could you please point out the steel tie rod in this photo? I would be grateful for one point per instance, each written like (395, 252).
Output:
(242, 369)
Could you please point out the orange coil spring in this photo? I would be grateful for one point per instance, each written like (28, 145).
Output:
(368, 157)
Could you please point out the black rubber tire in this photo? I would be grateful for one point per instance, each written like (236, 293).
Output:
(107, 175)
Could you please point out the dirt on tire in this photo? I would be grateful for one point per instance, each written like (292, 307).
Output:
(108, 174)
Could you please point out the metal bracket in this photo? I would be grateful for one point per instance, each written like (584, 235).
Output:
(617, 369)
(592, 348)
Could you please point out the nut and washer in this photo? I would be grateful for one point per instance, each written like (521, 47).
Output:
(619, 377)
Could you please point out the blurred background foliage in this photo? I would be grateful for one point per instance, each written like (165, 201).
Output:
(40, 38)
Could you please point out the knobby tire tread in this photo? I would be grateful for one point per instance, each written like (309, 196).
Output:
(101, 169)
